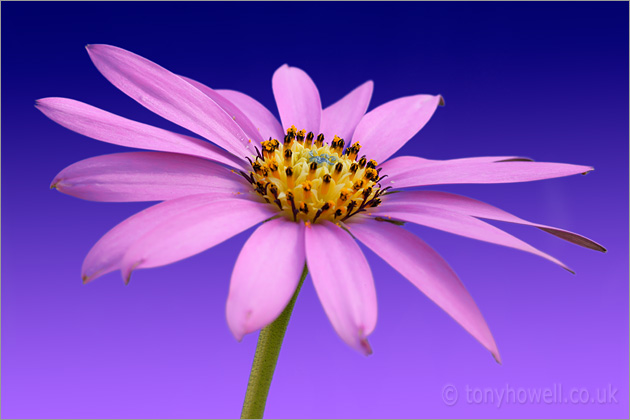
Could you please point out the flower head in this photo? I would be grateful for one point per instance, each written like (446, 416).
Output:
(319, 179)
(310, 180)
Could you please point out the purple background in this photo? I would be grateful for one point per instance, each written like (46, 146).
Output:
(543, 80)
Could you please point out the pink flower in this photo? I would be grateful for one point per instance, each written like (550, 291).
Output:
(316, 192)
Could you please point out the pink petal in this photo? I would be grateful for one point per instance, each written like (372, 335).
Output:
(468, 206)
(458, 224)
(170, 96)
(387, 128)
(297, 98)
(342, 117)
(233, 110)
(465, 171)
(424, 267)
(343, 282)
(200, 228)
(104, 126)
(106, 255)
(261, 117)
(265, 276)
(146, 176)
(403, 165)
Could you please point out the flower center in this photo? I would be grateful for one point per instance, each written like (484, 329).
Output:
(310, 180)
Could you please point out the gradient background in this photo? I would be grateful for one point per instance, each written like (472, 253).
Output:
(543, 80)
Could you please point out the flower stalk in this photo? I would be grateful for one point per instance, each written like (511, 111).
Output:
(265, 359)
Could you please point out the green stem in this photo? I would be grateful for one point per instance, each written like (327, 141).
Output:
(265, 359)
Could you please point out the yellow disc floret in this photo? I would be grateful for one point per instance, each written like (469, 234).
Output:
(309, 180)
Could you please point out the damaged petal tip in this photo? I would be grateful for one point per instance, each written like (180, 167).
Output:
(127, 275)
(441, 103)
(595, 247)
(518, 159)
(85, 278)
(497, 358)
(365, 346)
(54, 184)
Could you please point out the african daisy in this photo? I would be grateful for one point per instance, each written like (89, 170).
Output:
(315, 183)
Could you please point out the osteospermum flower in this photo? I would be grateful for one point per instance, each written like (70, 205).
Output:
(315, 183)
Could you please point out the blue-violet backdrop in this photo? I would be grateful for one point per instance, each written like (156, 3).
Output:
(543, 80)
